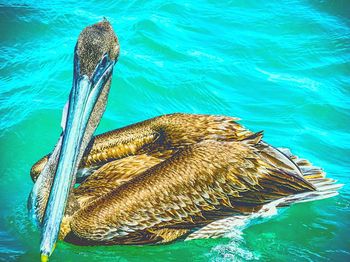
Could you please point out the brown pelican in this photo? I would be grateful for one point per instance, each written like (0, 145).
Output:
(177, 176)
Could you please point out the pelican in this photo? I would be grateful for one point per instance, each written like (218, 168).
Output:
(176, 176)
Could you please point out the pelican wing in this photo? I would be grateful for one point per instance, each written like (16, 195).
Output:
(162, 136)
(198, 184)
(112, 175)
(159, 137)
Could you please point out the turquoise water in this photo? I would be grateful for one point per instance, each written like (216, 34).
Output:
(282, 68)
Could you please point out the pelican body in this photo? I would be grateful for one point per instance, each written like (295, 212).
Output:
(177, 176)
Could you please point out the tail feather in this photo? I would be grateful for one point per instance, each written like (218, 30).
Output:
(325, 187)
(301, 162)
(308, 198)
(322, 181)
(312, 171)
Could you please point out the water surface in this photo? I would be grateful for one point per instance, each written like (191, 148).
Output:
(281, 67)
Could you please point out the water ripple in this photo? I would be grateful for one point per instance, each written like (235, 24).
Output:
(281, 66)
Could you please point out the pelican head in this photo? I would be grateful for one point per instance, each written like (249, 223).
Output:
(96, 52)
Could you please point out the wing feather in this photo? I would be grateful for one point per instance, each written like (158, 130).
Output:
(112, 175)
(195, 186)
(159, 137)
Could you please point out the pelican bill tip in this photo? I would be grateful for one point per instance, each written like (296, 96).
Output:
(44, 258)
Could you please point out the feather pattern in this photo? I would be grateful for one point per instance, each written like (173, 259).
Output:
(163, 178)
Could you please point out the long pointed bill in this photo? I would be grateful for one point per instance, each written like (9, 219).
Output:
(83, 97)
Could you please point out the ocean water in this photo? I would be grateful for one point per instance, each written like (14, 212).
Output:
(280, 66)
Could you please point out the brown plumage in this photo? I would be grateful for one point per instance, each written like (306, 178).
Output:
(159, 137)
(164, 178)
(206, 168)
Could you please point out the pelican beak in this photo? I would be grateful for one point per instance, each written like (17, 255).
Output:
(83, 97)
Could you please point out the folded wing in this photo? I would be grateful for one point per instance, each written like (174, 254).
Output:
(197, 185)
